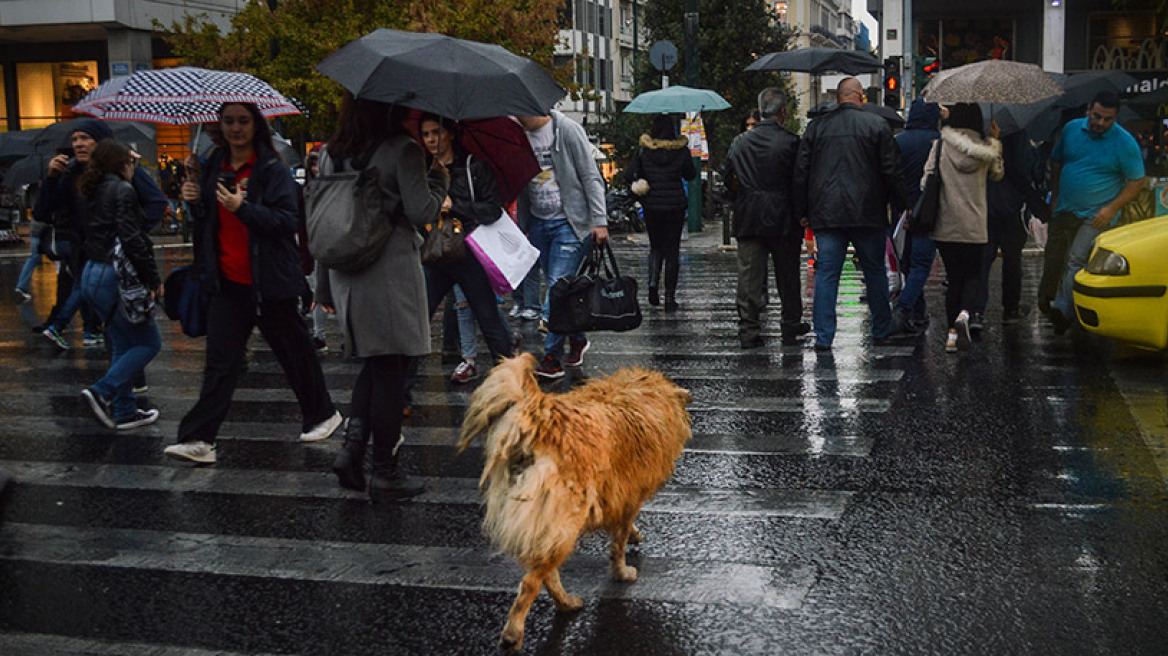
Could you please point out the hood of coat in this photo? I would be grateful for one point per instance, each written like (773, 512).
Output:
(966, 151)
(663, 144)
(923, 115)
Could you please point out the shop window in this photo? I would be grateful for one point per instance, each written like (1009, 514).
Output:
(963, 41)
(48, 91)
(3, 104)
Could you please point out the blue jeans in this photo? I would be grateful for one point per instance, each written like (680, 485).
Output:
(526, 296)
(921, 255)
(833, 250)
(133, 346)
(1077, 256)
(30, 265)
(560, 252)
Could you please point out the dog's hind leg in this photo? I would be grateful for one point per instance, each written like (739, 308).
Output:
(635, 536)
(512, 638)
(565, 603)
(616, 555)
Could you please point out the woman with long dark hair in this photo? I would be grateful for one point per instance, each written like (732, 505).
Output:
(967, 159)
(245, 250)
(116, 216)
(382, 308)
(663, 160)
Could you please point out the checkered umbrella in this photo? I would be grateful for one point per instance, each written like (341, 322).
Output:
(181, 96)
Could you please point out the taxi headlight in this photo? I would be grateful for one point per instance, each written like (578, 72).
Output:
(1107, 263)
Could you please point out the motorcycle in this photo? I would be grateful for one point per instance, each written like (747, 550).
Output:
(624, 211)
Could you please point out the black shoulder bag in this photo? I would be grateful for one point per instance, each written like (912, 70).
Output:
(924, 216)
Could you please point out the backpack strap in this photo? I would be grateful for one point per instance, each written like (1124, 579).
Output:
(469, 179)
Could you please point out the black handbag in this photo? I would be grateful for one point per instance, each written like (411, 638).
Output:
(596, 298)
(445, 241)
(924, 216)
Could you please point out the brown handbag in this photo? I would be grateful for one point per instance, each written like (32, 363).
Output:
(445, 241)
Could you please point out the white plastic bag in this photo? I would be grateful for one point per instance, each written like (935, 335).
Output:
(504, 252)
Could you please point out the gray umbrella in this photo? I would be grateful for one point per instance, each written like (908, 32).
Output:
(450, 77)
(992, 81)
(818, 60)
(58, 134)
(14, 145)
(26, 171)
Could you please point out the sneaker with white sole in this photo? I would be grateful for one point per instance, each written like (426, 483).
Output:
(139, 418)
(55, 337)
(322, 430)
(549, 367)
(464, 372)
(516, 311)
(196, 451)
(530, 314)
(964, 341)
(100, 406)
(576, 351)
(951, 342)
(93, 339)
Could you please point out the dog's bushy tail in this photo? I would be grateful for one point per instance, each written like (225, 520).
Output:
(509, 383)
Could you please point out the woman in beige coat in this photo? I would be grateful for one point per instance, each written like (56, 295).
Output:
(967, 159)
(382, 308)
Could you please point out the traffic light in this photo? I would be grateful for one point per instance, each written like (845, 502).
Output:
(892, 82)
(926, 68)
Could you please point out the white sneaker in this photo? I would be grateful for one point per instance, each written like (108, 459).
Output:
(194, 451)
(322, 430)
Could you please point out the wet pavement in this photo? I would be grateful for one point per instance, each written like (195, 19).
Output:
(874, 500)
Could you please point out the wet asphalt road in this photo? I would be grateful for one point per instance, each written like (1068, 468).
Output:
(877, 500)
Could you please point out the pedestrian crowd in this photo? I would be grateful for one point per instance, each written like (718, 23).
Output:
(845, 181)
(851, 182)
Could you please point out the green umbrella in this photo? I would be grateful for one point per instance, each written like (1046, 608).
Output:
(677, 100)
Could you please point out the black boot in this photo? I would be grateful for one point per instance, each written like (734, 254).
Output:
(654, 277)
(670, 301)
(386, 482)
(350, 463)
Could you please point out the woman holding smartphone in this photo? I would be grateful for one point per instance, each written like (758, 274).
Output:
(244, 210)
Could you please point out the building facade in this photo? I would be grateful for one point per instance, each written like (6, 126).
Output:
(820, 23)
(52, 52)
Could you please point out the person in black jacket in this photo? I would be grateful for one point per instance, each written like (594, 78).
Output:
(663, 161)
(245, 217)
(847, 171)
(114, 215)
(759, 169)
(473, 199)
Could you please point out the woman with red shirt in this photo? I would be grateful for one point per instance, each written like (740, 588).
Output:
(245, 249)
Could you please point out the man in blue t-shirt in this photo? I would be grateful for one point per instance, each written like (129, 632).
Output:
(1097, 169)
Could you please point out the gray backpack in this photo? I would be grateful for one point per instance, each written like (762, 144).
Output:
(350, 216)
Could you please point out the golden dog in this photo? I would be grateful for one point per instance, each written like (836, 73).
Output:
(559, 465)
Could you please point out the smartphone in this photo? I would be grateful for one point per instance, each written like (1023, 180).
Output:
(227, 179)
(66, 151)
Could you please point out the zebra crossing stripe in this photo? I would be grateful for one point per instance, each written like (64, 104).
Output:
(781, 586)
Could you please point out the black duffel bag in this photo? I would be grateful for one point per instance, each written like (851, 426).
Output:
(598, 297)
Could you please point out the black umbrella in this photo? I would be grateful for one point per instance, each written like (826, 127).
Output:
(26, 171)
(1080, 88)
(818, 60)
(14, 145)
(59, 134)
(1153, 104)
(450, 77)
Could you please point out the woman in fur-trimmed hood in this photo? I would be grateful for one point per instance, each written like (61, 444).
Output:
(968, 157)
(663, 160)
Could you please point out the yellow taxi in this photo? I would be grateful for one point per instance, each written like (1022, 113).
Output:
(1122, 293)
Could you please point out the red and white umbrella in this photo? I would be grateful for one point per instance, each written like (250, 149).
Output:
(181, 96)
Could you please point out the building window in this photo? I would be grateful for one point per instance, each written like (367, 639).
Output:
(781, 11)
(958, 42)
(48, 91)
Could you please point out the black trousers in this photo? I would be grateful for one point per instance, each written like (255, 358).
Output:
(754, 254)
(468, 274)
(963, 269)
(1006, 233)
(378, 397)
(232, 316)
(664, 230)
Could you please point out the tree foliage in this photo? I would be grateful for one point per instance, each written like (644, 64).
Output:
(731, 35)
(283, 46)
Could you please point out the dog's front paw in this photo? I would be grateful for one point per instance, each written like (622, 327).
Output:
(626, 574)
(570, 605)
(511, 641)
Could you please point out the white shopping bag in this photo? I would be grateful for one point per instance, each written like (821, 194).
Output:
(504, 252)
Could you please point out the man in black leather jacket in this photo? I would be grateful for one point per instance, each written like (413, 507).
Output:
(759, 169)
(846, 173)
